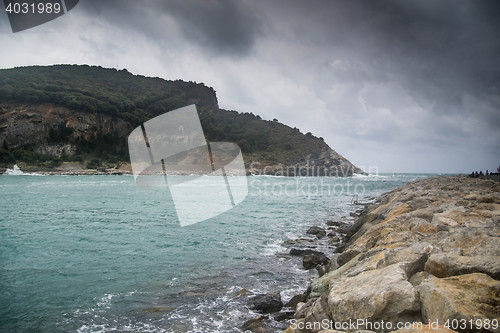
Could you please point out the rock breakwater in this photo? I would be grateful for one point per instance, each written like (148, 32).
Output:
(423, 257)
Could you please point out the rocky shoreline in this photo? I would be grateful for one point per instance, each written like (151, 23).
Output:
(423, 257)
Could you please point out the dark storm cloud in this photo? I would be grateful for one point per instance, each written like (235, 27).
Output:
(222, 27)
(440, 50)
(420, 78)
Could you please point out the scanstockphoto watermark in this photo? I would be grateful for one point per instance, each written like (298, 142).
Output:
(26, 14)
(387, 326)
(204, 179)
(308, 181)
(305, 187)
(310, 169)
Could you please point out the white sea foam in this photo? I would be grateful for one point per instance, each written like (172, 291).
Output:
(369, 176)
(15, 171)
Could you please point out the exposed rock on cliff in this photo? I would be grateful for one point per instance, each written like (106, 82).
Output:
(427, 252)
(88, 111)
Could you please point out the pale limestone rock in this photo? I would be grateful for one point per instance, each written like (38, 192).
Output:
(322, 284)
(471, 297)
(376, 294)
(449, 264)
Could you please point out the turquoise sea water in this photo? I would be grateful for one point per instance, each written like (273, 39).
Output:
(98, 254)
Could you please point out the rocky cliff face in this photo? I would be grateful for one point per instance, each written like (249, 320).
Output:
(33, 127)
(324, 162)
(425, 253)
(30, 126)
(89, 110)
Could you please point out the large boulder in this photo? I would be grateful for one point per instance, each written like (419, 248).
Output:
(380, 294)
(322, 284)
(317, 316)
(450, 264)
(266, 303)
(470, 298)
(314, 259)
(254, 325)
(317, 231)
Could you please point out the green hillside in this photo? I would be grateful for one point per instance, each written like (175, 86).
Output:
(135, 99)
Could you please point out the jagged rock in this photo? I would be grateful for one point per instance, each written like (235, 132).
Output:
(322, 284)
(334, 223)
(426, 213)
(303, 252)
(292, 303)
(449, 264)
(417, 278)
(377, 294)
(302, 308)
(317, 315)
(340, 248)
(267, 303)
(332, 263)
(317, 231)
(346, 256)
(436, 224)
(368, 263)
(321, 269)
(314, 259)
(470, 297)
(414, 257)
(284, 315)
(254, 325)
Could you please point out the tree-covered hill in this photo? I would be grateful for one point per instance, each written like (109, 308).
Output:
(82, 113)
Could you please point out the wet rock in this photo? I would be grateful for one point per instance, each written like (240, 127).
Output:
(432, 241)
(321, 270)
(346, 256)
(266, 303)
(314, 259)
(284, 315)
(161, 309)
(334, 223)
(254, 325)
(296, 252)
(333, 238)
(469, 297)
(292, 303)
(303, 252)
(382, 293)
(340, 248)
(317, 231)
(450, 264)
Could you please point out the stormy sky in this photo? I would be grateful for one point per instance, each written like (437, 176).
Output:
(398, 86)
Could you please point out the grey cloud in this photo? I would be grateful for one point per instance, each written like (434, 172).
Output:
(221, 27)
(438, 50)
